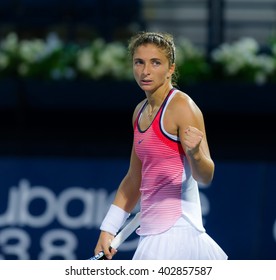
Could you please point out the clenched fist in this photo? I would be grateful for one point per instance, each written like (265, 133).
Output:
(192, 139)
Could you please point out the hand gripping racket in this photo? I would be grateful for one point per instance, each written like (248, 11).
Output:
(121, 236)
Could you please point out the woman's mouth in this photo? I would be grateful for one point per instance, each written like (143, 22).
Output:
(146, 82)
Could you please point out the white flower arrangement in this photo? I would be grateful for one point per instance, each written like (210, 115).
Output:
(51, 58)
(243, 59)
(101, 59)
(8, 51)
(35, 57)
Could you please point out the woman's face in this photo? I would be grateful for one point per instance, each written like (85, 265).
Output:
(151, 67)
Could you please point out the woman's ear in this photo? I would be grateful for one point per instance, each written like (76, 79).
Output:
(172, 68)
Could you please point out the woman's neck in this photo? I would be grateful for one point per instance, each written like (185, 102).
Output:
(156, 98)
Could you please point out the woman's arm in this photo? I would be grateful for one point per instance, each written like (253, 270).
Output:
(192, 134)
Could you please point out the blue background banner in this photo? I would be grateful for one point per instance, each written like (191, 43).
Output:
(51, 208)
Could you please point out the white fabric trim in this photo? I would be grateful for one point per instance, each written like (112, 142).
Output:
(190, 200)
(173, 137)
(114, 219)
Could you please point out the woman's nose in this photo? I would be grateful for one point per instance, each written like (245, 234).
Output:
(146, 69)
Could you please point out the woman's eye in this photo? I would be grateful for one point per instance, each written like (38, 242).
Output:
(138, 62)
(156, 63)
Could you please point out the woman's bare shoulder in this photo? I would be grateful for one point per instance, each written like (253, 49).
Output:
(182, 100)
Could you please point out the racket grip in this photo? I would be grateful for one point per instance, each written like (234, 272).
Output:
(99, 256)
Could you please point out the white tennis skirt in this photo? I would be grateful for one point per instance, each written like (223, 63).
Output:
(181, 242)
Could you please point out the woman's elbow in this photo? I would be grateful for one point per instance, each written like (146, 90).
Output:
(207, 177)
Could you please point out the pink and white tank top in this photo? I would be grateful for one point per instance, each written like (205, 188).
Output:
(168, 191)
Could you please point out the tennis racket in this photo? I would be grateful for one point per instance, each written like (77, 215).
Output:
(120, 237)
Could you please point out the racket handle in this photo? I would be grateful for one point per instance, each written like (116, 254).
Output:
(99, 256)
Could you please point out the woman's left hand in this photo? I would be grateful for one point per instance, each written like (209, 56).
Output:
(192, 139)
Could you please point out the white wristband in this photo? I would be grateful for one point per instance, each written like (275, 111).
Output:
(114, 219)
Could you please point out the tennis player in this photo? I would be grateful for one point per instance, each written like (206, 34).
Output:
(169, 158)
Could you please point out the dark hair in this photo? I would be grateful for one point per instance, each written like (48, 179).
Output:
(162, 40)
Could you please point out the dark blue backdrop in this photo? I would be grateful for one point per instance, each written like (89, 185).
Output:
(51, 208)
